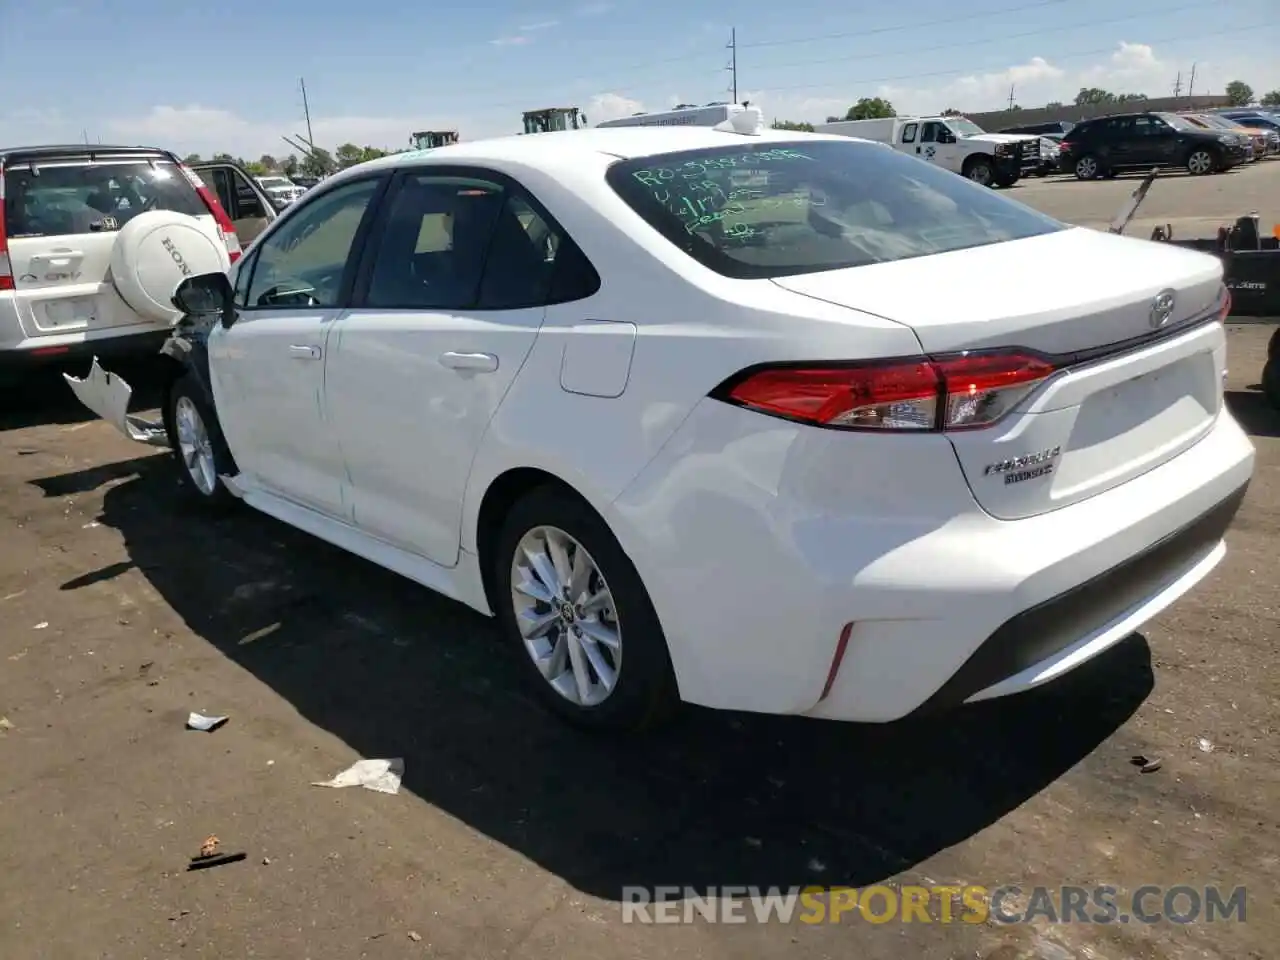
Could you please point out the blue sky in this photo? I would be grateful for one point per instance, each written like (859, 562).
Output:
(152, 71)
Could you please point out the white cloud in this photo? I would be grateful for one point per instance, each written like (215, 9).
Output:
(512, 41)
(611, 106)
(1131, 68)
(209, 130)
(540, 25)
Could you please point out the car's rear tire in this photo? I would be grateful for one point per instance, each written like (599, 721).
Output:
(570, 602)
(1201, 161)
(1088, 167)
(198, 445)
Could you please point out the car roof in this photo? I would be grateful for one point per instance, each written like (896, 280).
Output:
(563, 149)
(75, 150)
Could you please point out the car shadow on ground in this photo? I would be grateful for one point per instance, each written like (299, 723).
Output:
(1255, 415)
(39, 397)
(716, 798)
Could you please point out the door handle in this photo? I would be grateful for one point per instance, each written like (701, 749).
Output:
(478, 362)
(299, 351)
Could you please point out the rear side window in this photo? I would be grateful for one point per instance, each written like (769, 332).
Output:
(777, 209)
(54, 199)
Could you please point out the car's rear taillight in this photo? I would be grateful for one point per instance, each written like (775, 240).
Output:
(1224, 303)
(960, 392)
(225, 226)
(6, 271)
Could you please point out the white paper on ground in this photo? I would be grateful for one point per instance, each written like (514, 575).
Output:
(380, 775)
(198, 721)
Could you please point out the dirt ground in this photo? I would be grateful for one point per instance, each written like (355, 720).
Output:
(513, 836)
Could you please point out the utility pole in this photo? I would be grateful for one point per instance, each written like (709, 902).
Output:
(733, 61)
(1010, 96)
(1177, 86)
(1191, 87)
(306, 112)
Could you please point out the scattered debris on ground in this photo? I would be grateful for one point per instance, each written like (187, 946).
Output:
(382, 776)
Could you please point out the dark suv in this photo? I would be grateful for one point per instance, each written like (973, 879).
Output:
(1054, 129)
(1109, 145)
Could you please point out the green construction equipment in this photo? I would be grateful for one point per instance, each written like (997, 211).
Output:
(554, 118)
(431, 139)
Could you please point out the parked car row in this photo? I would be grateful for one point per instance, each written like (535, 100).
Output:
(1201, 143)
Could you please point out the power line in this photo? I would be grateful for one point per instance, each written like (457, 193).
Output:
(983, 41)
(876, 31)
(884, 54)
(970, 70)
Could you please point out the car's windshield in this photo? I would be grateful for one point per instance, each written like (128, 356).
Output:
(964, 128)
(779, 208)
(1177, 122)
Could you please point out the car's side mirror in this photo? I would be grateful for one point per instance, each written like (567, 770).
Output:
(946, 136)
(208, 295)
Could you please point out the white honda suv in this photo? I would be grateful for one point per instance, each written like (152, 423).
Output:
(756, 420)
(93, 239)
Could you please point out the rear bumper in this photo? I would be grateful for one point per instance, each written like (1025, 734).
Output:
(806, 572)
(1043, 638)
(36, 353)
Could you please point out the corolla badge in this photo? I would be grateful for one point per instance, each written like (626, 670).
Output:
(1161, 309)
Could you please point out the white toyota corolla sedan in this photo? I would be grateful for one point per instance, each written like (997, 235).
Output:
(771, 422)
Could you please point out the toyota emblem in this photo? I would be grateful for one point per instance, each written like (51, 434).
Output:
(1161, 309)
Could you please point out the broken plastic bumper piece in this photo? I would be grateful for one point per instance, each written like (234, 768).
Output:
(108, 395)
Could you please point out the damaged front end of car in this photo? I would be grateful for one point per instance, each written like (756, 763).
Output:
(108, 394)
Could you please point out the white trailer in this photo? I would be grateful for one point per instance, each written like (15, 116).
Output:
(712, 115)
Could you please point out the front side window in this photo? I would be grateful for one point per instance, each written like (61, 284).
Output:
(815, 205)
(57, 199)
(302, 263)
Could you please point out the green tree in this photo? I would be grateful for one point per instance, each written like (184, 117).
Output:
(269, 162)
(348, 155)
(870, 108)
(1239, 93)
(1089, 96)
(951, 112)
(191, 158)
(318, 163)
(793, 125)
(1053, 105)
(289, 166)
(1271, 99)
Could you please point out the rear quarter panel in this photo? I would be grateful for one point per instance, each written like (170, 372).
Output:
(694, 329)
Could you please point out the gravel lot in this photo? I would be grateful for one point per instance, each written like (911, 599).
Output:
(514, 836)
(1195, 206)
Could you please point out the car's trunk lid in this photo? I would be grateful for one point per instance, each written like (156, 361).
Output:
(1135, 392)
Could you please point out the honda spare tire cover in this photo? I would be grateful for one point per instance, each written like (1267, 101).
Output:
(156, 251)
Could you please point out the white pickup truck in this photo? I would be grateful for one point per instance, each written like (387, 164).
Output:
(959, 145)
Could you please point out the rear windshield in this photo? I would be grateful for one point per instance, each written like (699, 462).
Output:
(778, 209)
(62, 198)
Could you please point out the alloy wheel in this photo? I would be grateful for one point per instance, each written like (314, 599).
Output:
(566, 616)
(194, 446)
